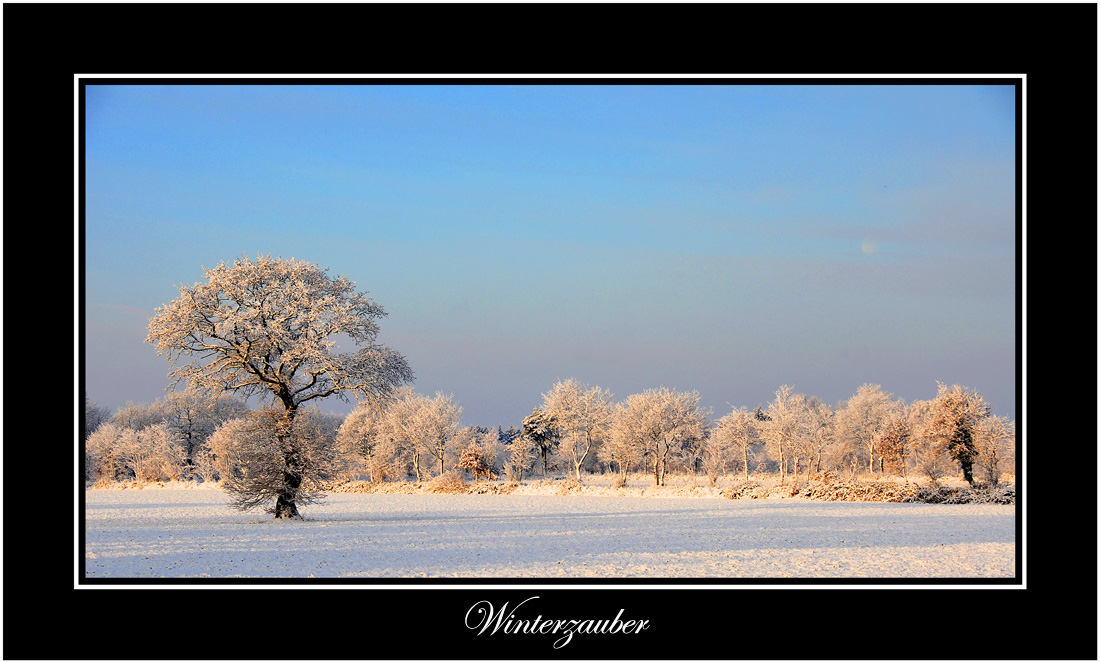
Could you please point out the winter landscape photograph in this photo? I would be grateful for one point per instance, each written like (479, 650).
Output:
(619, 332)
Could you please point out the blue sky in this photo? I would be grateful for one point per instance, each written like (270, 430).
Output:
(724, 238)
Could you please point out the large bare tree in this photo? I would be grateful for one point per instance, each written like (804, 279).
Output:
(270, 328)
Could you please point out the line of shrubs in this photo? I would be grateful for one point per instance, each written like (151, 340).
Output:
(875, 491)
(829, 491)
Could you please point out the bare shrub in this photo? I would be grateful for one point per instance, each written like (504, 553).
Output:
(744, 490)
(448, 482)
(569, 486)
(104, 482)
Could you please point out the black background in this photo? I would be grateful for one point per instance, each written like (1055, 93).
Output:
(1053, 617)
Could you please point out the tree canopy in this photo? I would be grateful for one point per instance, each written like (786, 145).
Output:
(269, 328)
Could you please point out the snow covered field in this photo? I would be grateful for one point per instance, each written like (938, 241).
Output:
(175, 532)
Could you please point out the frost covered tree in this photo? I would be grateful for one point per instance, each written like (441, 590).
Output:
(192, 418)
(138, 416)
(796, 429)
(660, 422)
(736, 433)
(496, 451)
(398, 434)
(893, 442)
(690, 454)
(433, 424)
(487, 443)
(115, 452)
(995, 442)
(101, 452)
(926, 454)
(269, 328)
(189, 416)
(817, 433)
(153, 453)
(783, 426)
(582, 414)
(623, 447)
(360, 435)
(954, 417)
(862, 417)
(540, 429)
(716, 458)
(522, 453)
(422, 427)
(94, 416)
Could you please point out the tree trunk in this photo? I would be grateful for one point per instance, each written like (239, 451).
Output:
(578, 462)
(287, 493)
(285, 507)
(664, 465)
(968, 471)
(782, 467)
(189, 464)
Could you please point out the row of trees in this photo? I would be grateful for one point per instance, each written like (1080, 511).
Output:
(184, 436)
(275, 329)
(165, 440)
(871, 432)
(576, 427)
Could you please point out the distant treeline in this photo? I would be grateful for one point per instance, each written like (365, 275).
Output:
(576, 429)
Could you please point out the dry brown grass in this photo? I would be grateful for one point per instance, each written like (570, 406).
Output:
(447, 483)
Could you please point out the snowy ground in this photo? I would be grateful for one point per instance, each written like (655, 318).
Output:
(177, 532)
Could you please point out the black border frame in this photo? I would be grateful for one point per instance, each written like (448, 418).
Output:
(1053, 45)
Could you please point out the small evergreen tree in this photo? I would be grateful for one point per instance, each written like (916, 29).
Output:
(539, 427)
